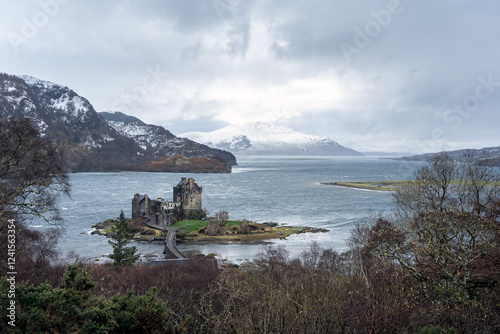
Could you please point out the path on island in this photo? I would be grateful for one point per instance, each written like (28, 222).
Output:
(171, 251)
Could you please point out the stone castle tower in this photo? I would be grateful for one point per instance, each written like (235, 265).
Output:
(141, 206)
(187, 197)
(188, 194)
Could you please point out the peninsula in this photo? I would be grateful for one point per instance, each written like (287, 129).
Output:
(370, 185)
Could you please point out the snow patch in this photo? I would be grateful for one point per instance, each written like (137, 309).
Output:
(37, 82)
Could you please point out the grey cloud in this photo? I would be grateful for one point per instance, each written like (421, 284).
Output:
(239, 40)
(414, 67)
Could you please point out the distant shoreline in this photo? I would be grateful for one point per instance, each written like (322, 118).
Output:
(369, 185)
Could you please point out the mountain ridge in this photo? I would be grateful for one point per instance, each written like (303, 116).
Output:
(85, 139)
(488, 155)
(153, 138)
(262, 138)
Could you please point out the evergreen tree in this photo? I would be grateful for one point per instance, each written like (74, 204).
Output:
(73, 307)
(121, 235)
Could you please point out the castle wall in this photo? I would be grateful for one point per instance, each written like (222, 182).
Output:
(188, 194)
(141, 206)
(165, 211)
(163, 219)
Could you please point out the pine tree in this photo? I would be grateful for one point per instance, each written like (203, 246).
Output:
(121, 235)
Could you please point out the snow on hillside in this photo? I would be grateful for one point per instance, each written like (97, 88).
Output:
(32, 81)
(147, 136)
(160, 141)
(49, 106)
(59, 98)
(266, 138)
(85, 139)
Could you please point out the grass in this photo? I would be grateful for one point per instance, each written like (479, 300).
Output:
(190, 229)
(193, 226)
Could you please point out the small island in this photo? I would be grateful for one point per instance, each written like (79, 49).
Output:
(209, 230)
(183, 220)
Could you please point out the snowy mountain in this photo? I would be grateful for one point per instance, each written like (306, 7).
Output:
(261, 138)
(53, 108)
(85, 139)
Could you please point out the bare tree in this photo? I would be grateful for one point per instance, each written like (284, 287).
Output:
(430, 191)
(222, 216)
(478, 189)
(446, 227)
(448, 185)
(31, 175)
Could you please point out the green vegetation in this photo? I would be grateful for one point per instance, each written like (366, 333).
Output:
(431, 267)
(193, 230)
(121, 237)
(321, 291)
(192, 227)
(71, 307)
(235, 230)
(437, 330)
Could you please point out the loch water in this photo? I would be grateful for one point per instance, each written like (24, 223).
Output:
(285, 190)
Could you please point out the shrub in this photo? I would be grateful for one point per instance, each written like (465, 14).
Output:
(72, 308)
(437, 330)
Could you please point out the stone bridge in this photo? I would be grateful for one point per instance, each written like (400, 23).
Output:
(171, 251)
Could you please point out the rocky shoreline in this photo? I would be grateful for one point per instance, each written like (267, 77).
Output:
(255, 232)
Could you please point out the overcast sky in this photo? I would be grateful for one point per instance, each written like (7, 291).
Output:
(411, 76)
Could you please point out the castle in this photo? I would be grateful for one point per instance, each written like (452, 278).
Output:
(186, 199)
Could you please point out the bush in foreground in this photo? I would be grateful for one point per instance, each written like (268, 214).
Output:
(71, 307)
